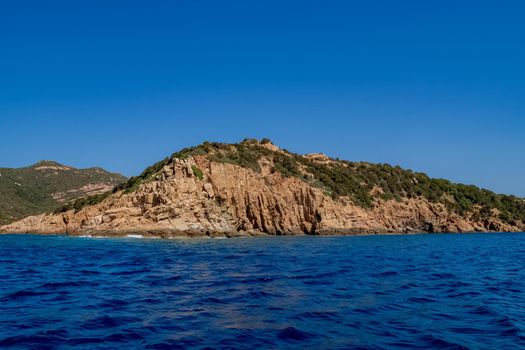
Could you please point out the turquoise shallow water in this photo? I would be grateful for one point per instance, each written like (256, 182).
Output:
(368, 292)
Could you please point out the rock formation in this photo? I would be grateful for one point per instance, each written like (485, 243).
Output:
(231, 200)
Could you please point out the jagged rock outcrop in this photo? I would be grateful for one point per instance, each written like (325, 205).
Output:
(229, 200)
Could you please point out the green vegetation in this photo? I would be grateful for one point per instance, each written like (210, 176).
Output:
(134, 181)
(44, 186)
(242, 156)
(286, 165)
(197, 172)
(83, 202)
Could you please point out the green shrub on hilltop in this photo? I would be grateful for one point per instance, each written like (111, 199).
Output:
(246, 154)
(339, 180)
(134, 181)
(286, 165)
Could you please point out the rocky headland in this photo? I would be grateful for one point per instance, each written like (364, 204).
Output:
(256, 188)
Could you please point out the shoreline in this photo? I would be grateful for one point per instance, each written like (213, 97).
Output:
(142, 235)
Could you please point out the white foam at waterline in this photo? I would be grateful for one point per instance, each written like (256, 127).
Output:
(134, 236)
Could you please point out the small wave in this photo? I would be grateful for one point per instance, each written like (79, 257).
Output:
(101, 322)
(507, 326)
(444, 276)
(315, 276)
(120, 337)
(421, 300)
(106, 321)
(294, 334)
(466, 330)
(130, 272)
(134, 236)
(386, 274)
(60, 285)
(258, 280)
(168, 281)
(213, 300)
(89, 272)
(262, 294)
(42, 340)
(482, 311)
(23, 294)
(319, 283)
(454, 294)
(176, 344)
(113, 304)
(61, 297)
(436, 343)
(321, 315)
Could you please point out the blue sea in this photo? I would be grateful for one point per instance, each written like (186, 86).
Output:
(442, 291)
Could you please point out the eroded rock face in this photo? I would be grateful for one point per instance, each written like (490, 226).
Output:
(230, 200)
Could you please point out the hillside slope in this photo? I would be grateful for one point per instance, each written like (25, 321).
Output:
(256, 188)
(47, 185)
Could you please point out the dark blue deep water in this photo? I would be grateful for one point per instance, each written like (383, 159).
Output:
(369, 292)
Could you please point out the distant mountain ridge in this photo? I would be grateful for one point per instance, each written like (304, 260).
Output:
(47, 185)
(255, 187)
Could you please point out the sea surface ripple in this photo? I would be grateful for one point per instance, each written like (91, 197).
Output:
(444, 291)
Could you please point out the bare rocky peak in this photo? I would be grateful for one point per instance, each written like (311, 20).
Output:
(270, 146)
(50, 165)
(46, 163)
(318, 157)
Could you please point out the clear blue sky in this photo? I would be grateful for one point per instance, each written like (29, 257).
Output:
(435, 86)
